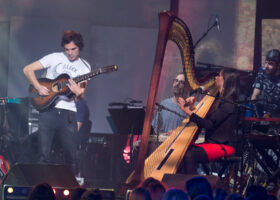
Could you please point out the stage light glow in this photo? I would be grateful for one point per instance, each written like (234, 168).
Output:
(66, 192)
(54, 191)
(10, 190)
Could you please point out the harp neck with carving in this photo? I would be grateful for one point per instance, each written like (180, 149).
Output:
(166, 158)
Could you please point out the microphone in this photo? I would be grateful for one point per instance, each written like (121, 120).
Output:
(118, 104)
(169, 110)
(212, 66)
(135, 101)
(217, 23)
(198, 90)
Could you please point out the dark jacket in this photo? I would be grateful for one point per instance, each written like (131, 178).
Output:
(219, 124)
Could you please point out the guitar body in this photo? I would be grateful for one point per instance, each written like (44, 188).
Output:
(56, 86)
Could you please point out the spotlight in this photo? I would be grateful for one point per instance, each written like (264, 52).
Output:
(66, 192)
(10, 190)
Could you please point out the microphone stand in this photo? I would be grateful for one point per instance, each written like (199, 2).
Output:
(212, 67)
(169, 110)
(160, 108)
(232, 102)
(158, 124)
(205, 34)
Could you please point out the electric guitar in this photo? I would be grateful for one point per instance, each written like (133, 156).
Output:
(58, 86)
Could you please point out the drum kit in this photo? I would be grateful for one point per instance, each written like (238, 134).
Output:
(257, 150)
(261, 155)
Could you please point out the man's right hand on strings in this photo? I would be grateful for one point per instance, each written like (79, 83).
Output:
(42, 90)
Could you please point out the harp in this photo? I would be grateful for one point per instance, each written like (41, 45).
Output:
(167, 157)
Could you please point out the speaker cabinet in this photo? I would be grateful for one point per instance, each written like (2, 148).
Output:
(33, 174)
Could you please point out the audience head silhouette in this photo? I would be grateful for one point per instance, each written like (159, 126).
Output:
(94, 194)
(198, 186)
(140, 194)
(175, 194)
(42, 191)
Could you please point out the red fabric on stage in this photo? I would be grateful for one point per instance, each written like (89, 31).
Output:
(216, 151)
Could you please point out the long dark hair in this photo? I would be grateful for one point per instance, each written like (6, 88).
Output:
(231, 87)
(231, 84)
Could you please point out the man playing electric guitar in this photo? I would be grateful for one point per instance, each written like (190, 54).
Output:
(60, 118)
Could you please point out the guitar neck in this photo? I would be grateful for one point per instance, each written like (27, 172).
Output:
(87, 76)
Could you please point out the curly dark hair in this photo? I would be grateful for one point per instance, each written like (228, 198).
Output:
(69, 36)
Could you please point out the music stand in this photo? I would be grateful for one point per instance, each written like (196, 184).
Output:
(127, 120)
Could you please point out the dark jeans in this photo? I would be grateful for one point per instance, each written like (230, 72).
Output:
(60, 123)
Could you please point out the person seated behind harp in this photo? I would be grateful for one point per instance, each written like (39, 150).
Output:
(168, 114)
(219, 123)
(167, 117)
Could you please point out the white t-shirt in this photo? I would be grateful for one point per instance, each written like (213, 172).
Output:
(57, 64)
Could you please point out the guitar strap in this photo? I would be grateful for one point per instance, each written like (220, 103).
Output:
(85, 63)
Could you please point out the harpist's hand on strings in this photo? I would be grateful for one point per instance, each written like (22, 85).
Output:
(191, 102)
(185, 103)
(75, 88)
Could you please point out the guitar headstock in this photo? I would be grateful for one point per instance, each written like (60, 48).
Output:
(108, 69)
